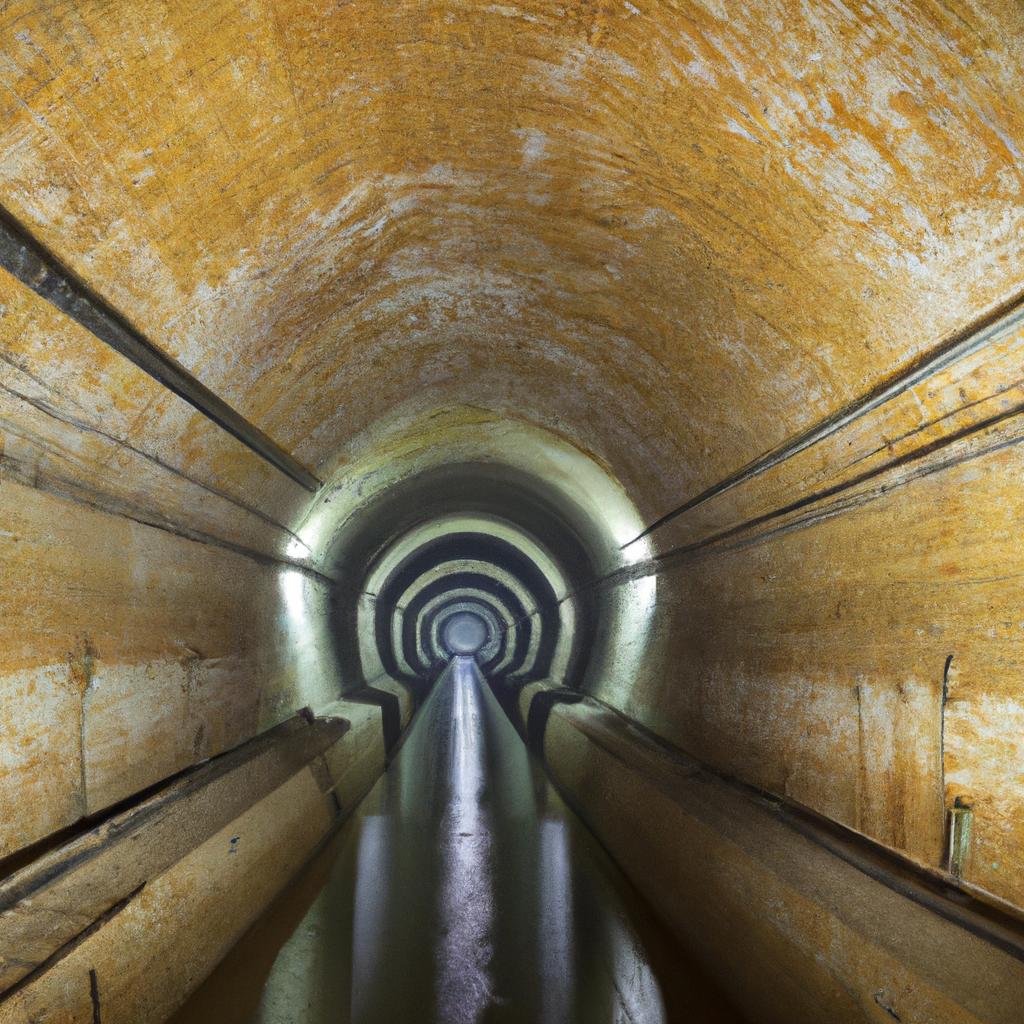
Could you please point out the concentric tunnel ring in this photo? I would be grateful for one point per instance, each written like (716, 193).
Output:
(639, 380)
(514, 534)
(494, 654)
(445, 568)
(499, 620)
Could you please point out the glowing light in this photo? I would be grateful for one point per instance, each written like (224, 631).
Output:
(371, 970)
(293, 586)
(298, 548)
(555, 922)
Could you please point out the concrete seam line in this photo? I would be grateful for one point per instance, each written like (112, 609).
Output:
(976, 911)
(76, 424)
(959, 345)
(27, 259)
(78, 492)
(71, 945)
(294, 743)
(720, 541)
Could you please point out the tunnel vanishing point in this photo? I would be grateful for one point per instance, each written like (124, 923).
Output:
(508, 491)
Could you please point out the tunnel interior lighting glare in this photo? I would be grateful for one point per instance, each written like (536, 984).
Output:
(292, 584)
(297, 548)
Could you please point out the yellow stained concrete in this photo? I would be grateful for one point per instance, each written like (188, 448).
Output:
(811, 663)
(602, 214)
(130, 653)
(239, 870)
(674, 233)
(795, 934)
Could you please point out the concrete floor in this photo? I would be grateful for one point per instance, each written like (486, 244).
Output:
(461, 890)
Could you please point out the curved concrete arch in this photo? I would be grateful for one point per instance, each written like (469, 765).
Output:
(464, 633)
(489, 647)
(486, 555)
(427, 635)
(501, 621)
(708, 316)
(453, 578)
(455, 523)
(497, 536)
(394, 458)
(463, 575)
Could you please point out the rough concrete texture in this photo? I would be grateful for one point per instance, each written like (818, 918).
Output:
(238, 870)
(48, 909)
(356, 760)
(796, 934)
(678, 237)
(812, 662)
(130, 654)
(683, 209)
(68, 410)
(62, 892)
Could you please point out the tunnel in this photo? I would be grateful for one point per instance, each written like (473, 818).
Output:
(512, 512)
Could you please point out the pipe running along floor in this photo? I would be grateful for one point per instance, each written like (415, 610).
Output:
(461, 890)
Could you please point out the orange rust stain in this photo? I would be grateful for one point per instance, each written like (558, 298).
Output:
(323, 212)
(675, 237)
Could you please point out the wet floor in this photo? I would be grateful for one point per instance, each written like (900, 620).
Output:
(462, 890)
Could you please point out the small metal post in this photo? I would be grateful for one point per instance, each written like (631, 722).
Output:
(961, 815)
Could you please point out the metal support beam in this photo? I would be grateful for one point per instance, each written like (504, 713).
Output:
(976, 336)
(31, 263)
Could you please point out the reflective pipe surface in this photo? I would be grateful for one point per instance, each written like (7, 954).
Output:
(461, 890)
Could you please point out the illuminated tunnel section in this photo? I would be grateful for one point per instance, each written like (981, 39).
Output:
(467, 626)
(641, 380)
(504, 522)
(442, 572)
(475, 615)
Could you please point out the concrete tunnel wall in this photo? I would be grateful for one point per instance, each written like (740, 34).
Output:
(750, 278)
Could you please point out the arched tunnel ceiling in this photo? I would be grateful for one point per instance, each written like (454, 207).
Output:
(624, 221)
